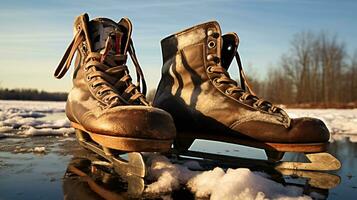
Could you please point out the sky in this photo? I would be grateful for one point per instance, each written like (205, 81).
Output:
(35, 34)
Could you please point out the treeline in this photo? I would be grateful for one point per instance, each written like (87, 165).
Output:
(31, 94)
(317, 70)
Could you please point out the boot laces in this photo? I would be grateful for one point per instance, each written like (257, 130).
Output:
(244, 91)
(108, 74)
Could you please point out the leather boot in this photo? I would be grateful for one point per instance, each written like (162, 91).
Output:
(103, 100)
(199, 93)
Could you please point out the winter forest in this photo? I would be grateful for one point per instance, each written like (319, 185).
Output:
(316, 70)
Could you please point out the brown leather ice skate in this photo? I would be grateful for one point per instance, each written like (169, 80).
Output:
(207, 103)
(104, 105)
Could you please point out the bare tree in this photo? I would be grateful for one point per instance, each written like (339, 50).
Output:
(315, 70)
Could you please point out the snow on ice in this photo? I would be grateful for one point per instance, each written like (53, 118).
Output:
(39, 149)
(28, 118)
(217, 184)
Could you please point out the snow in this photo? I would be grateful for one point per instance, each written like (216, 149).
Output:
(217, 184)
(39, 149)
(28, 118)
(47, 132)
(242, 183)
(167, 176)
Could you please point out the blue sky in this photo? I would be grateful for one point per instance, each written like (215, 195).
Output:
(34, 34)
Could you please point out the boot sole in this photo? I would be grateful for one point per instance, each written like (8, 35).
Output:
(127, 144)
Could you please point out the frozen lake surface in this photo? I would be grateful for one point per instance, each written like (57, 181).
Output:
(37, 145)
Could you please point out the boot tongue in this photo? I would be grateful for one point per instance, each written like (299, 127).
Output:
(125, 27)
(229, 48)
(103, 29)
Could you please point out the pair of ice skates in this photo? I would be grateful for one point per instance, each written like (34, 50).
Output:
(196, 99)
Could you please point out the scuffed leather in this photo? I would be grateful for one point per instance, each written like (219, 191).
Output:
(84, 108)
(187, 91)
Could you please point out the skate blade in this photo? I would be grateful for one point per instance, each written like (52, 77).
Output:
(318, 158)
(134, 165)
(127, 144)
(185, 137)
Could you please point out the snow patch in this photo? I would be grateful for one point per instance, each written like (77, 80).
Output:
(203, 184)
(39, 149)
(217, 184)
(167, 176)
(28, 118)
(4, 129)
(47, 132)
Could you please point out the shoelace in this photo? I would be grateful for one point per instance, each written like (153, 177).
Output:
(245, 92)
(106, 76)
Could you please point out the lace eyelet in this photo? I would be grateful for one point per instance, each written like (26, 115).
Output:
(215, 81)
(92, 86)
(229, 92)
(209, 69)
(211, 44)
(84, 47)
(89, 78)
(212, 33)
(99, 93)
(211, 57)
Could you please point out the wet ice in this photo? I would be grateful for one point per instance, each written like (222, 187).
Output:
(28, 119)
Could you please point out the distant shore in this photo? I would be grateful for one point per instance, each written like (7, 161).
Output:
(31, 94)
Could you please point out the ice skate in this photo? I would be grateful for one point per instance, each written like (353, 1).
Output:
(206, 103)
(110, 113)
